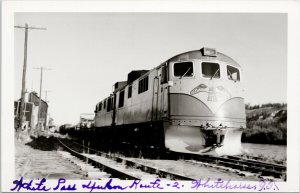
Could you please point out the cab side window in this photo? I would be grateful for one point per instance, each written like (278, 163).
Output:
(233, 73)
(183, 69)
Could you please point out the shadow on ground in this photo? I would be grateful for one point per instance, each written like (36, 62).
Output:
(44, 143)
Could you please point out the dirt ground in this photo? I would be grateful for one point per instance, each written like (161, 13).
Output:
(38, 158)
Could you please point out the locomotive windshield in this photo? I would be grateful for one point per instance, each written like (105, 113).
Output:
(183, 69)
(210, 70)
(233, 73)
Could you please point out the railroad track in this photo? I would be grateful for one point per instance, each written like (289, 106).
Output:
(259, 168)
(262, 169)
(271, 166)
(119, 167)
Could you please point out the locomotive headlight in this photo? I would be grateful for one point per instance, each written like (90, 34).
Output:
(209, 52)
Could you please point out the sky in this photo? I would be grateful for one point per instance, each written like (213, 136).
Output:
(88, 52)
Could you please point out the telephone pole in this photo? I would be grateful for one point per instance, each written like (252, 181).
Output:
(41, 83)
(22, 110)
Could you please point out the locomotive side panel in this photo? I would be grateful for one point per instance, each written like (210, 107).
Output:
(99, 121)
(104, 113)
(138, 109)
(109, 111)
(120, 107)
(130, 95)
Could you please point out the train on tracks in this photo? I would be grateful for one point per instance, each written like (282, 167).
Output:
(192, 102)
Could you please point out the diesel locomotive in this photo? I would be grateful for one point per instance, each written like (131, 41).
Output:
(192, 102)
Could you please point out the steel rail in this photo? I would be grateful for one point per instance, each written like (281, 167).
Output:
(234, 162)
(262, 168)
(106, 168)
(259, 162)
(130, 163)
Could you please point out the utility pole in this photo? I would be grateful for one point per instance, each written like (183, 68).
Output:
(22, 110)
(41, 83)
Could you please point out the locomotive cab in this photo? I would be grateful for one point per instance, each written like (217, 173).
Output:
(206, 105)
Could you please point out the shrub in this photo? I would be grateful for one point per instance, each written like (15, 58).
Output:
(265, 127)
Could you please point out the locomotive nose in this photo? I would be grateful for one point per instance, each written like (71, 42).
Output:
(193, 139)
(198, 126)
(184, 138)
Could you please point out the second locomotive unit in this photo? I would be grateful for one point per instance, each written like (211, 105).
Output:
(192, 102)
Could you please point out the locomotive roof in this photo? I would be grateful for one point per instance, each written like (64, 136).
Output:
(198, 54)
(190, 55)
